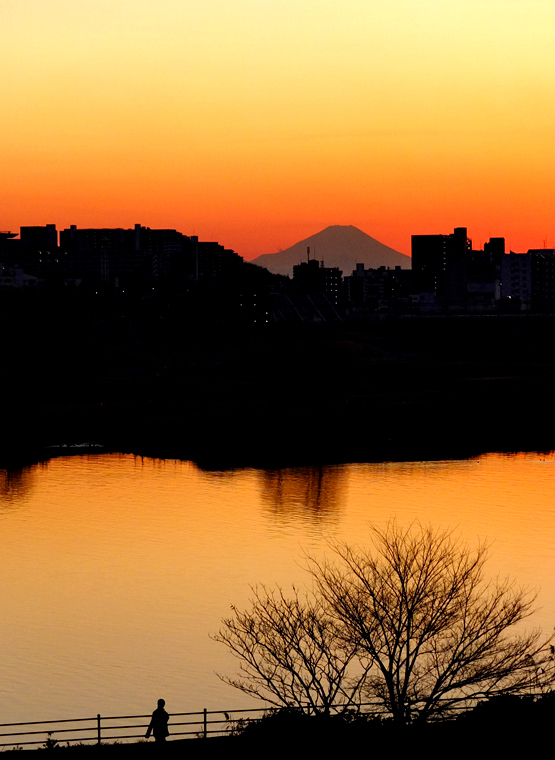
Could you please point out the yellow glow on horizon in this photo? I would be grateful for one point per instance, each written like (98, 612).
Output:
(259, 123)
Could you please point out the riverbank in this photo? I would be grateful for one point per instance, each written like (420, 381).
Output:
(507, 727)
(317, 394)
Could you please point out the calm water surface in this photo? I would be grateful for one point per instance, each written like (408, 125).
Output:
(114, 569)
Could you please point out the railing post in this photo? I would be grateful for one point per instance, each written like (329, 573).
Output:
(205, 723)
(99, 737)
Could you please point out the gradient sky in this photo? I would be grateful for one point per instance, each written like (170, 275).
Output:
(258, 122)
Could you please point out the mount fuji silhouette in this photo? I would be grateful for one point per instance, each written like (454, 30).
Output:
(337, 246)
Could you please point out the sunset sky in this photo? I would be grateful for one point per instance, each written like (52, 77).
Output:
(257, 123)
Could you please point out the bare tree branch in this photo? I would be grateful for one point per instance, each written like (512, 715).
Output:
(293, 653)
(437, 633)
(410, 623)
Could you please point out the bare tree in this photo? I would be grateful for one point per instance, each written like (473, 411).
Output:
(438, 635)
(293, 653)
(413, 617)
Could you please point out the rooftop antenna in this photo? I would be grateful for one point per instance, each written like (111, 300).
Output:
(308, 253)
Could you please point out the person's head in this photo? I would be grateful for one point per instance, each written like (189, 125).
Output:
(161, 702)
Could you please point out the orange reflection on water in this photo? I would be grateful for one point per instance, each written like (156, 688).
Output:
(507, 501)
(315, 493)
(14, 484)
(117, 569)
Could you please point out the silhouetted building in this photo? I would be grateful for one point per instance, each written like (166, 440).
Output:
(5, 237)
(483, 276)
(214, 259)
(452, 277)
(384, 289)
(42, 238)
(8, 247)
(313, 277)
(516, 280)
(528, 280)
(118, 256)
(543, 280)
(439, 266)
(167, 253)
(35, 252)
(107, 256)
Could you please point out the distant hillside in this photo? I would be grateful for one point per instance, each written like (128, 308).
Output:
(338, 246)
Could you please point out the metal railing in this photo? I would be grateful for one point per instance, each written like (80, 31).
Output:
(115, 728)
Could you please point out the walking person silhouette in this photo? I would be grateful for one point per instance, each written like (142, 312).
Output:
(158, 726)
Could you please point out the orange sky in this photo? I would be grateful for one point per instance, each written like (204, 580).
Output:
(258, 123)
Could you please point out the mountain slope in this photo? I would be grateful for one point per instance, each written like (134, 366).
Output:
(337, 246)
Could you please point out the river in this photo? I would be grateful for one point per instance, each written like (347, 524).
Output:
(116, 569)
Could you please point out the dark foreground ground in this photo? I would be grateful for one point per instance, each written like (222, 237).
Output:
(509, 728)
(235, 395)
